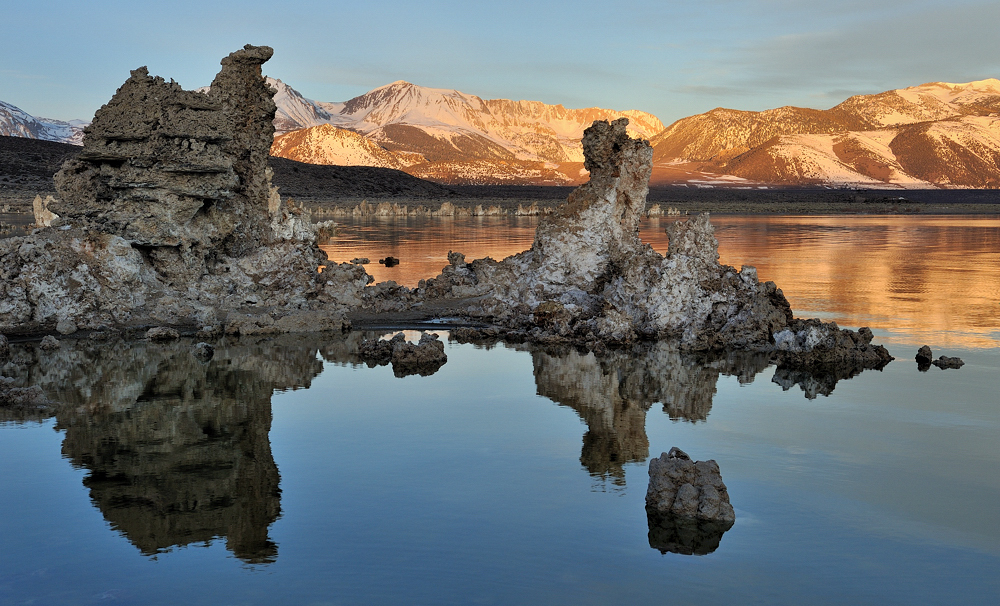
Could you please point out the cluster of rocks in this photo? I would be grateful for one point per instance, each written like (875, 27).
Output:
(422, 358)
(168, 217)
(925, 358)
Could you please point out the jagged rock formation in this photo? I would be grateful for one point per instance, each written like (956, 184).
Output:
(924, 358)
(423, 358)
(588, 279)
(684, 488)
(168, 216)
(687, 504)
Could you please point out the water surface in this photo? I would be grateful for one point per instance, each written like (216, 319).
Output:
(286, 471)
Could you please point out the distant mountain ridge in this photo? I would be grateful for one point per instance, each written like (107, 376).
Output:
(935, 134)
(444, 134)
(15, 122)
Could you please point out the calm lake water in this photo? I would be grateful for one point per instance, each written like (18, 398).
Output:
(285, 471)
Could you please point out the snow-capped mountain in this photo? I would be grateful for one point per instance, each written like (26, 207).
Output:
(936, 134)
(327, 144)
(15, 122)
(461, 138)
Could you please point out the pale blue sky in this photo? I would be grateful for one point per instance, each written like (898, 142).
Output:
(63, 59)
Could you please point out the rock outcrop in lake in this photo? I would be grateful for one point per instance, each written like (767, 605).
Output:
(423, 358)
(168, 216)
(687, 504)
(589, 279)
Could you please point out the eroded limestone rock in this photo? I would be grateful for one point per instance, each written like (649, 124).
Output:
(168, 216)
(589, 280)
(684, 488)
(422, 358)
(43, 216)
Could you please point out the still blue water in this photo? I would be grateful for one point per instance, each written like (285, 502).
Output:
(284, 471)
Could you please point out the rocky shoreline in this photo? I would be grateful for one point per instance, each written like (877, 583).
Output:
(169, 218)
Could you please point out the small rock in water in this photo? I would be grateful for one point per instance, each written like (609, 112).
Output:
(389, 261)
(946, 362)
(687, 504)
(424, 358)
(162, 333)
(681, 487)
(203, 351)
(66, 327)
(361, 260)
(924, 358)
(49, 343)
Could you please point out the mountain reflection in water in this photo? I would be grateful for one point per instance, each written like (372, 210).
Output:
(177, 449)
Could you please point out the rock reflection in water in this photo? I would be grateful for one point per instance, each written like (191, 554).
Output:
(177, 449)
(686, 536)
(612, 394)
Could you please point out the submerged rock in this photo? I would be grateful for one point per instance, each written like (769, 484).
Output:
(168, 216)
(49, 343)
(684, 488)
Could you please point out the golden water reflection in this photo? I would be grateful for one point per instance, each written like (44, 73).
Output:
(913, 279)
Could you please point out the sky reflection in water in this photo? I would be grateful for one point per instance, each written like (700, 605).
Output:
(513, 474)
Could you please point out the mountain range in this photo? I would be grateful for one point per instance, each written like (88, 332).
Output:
(15, 122)
(932, 135)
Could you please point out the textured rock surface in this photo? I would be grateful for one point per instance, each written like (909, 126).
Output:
(168, 216)
(684, 488)
(948, 362)
(588, 279)
(422, 358)
(924, 358)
